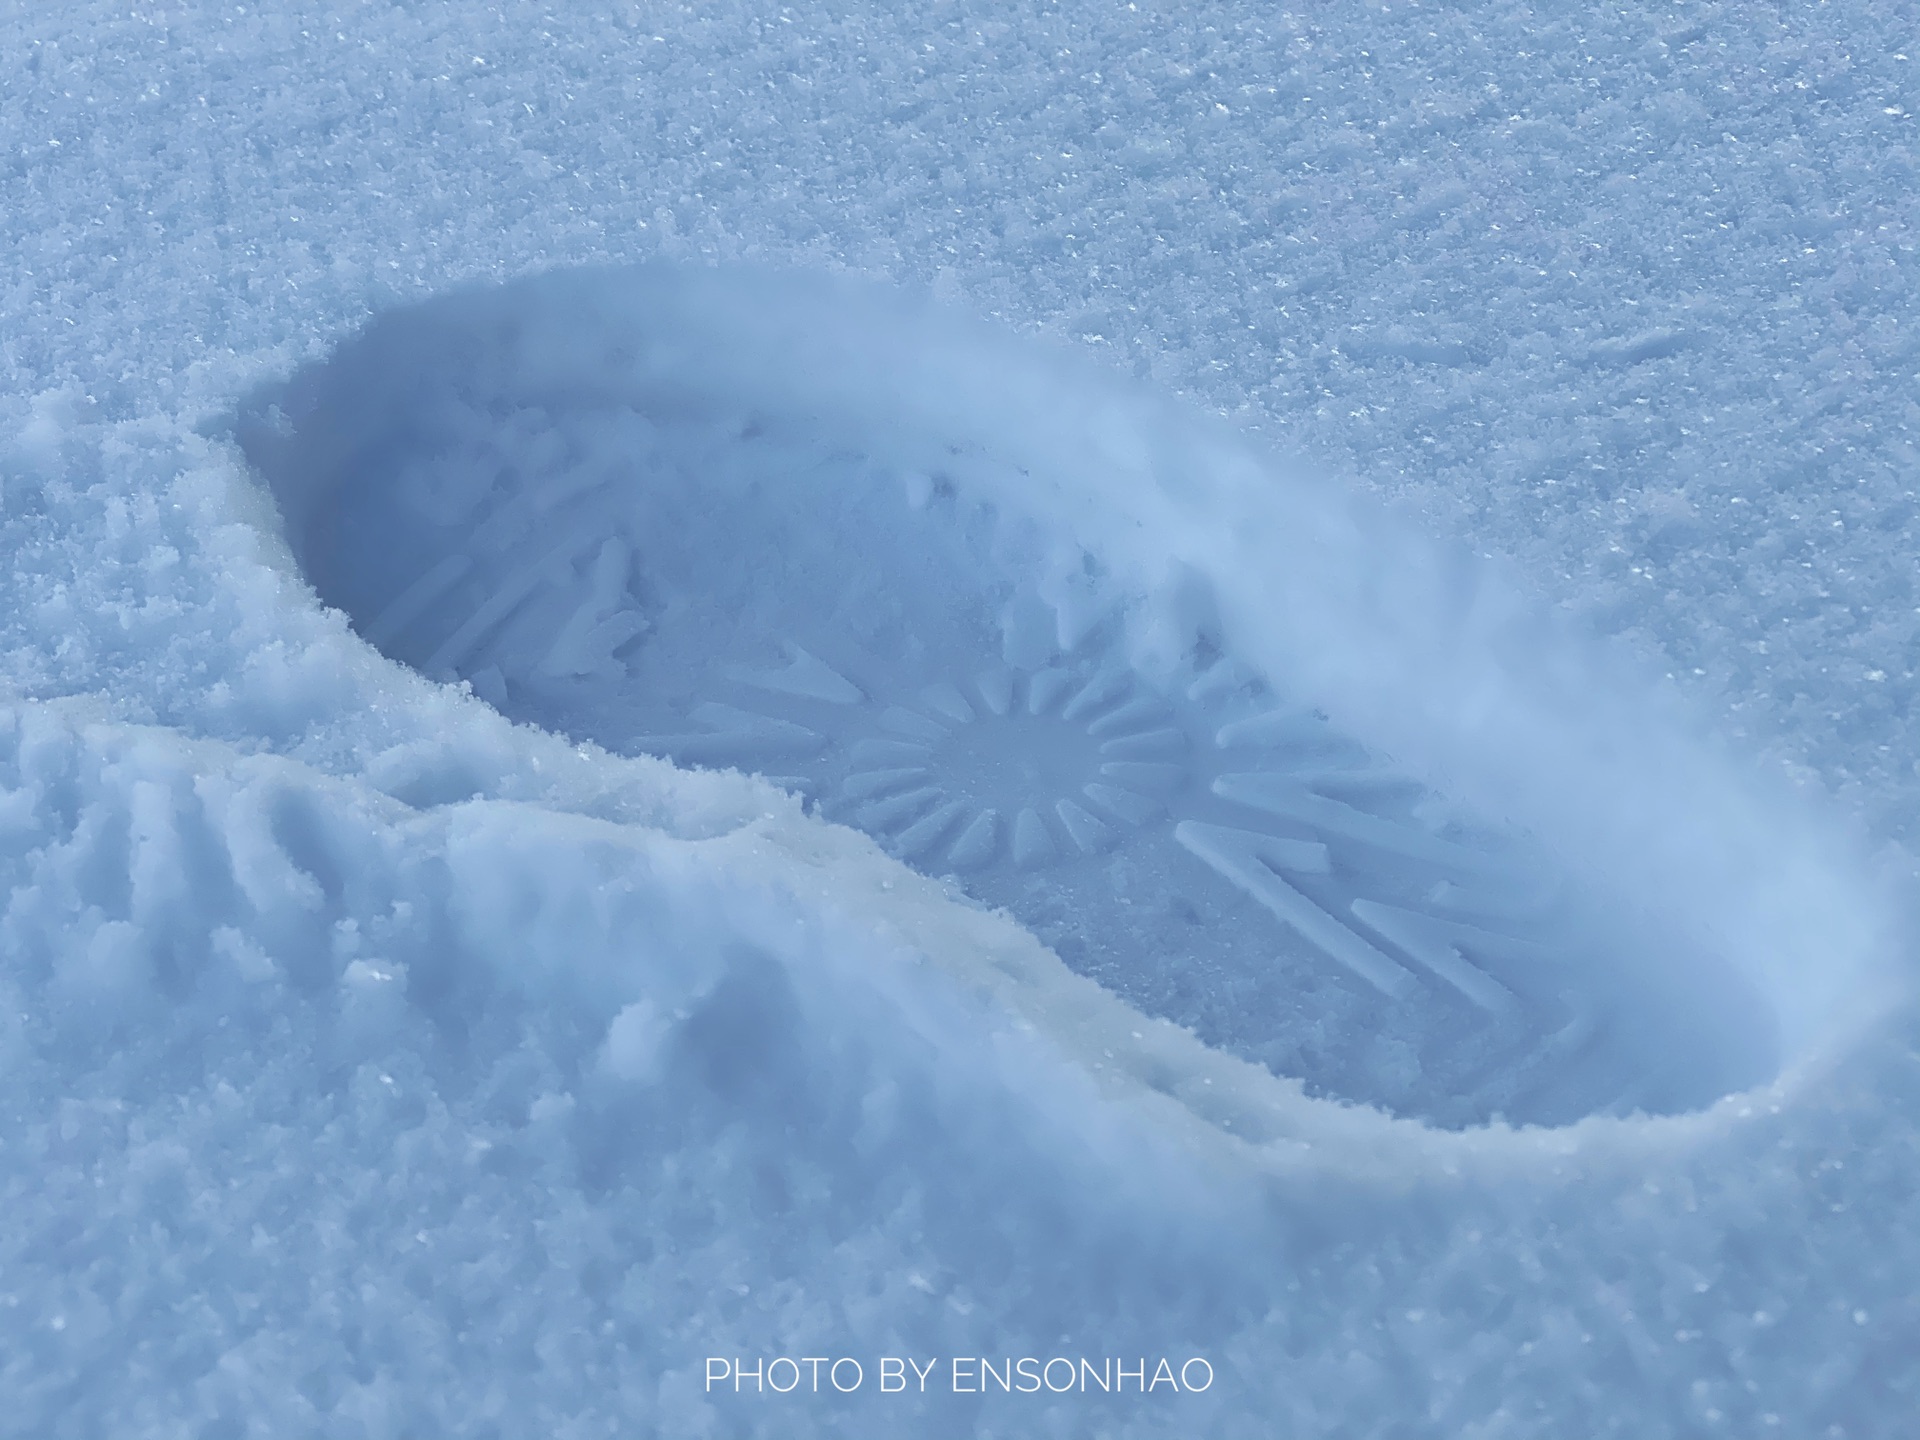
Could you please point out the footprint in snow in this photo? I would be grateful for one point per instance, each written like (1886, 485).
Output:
(639, 507)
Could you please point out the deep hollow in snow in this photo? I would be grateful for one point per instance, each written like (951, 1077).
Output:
(706, 519)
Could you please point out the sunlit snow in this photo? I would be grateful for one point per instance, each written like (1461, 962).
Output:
(689, 687)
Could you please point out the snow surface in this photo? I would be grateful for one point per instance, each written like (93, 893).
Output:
(383, 1067)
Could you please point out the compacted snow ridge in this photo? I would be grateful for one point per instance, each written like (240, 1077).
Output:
(690, 683)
